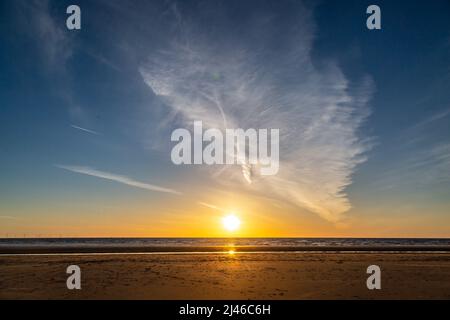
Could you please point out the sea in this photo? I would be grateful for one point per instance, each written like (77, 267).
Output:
(220, 242)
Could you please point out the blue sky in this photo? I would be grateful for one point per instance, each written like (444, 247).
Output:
(86, 116)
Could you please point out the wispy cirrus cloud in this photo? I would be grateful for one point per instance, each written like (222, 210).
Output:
(422, 157)
(266, 78)
(424, 125)
(421, 168)
(49, 33)
(45, 23)
(117, 178)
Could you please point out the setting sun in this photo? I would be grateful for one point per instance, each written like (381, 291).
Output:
(231, 222)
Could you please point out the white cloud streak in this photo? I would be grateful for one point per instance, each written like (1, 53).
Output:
(117, 178)
(84, 129)
(211, 206)
(265, 78)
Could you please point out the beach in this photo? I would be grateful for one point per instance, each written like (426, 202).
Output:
(227, 275)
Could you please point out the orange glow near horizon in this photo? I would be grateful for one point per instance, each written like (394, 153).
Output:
(186, 218)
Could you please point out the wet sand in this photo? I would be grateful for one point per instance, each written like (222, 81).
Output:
(243, 275)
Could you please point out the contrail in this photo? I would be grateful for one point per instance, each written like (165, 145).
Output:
(84, 129)
(11, 218)
(211, 206)
(118, 178)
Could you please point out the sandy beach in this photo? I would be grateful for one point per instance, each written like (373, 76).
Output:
(213, 275)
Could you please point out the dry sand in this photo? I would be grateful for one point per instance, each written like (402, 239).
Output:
(277, 275)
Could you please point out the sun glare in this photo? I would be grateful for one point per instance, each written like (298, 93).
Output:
(231, 222)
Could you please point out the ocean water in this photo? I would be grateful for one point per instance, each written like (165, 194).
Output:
(220, 242)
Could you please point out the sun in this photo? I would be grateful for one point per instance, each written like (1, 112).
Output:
(231, 222)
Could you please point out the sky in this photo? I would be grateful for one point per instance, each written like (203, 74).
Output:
(86, 117)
